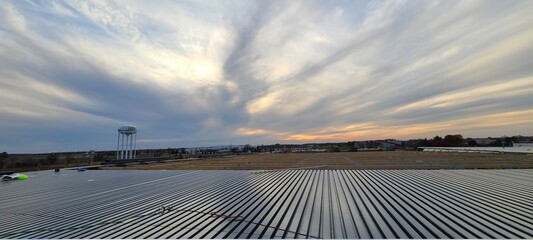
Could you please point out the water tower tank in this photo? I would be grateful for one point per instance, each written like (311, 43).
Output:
(127, 129)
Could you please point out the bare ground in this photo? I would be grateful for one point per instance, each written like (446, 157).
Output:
(348, 160)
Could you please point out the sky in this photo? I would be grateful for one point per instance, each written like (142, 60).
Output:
(204, 73)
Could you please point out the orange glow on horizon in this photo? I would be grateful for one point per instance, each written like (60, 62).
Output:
(376, 131)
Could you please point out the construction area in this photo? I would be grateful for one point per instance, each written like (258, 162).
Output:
(346, 160)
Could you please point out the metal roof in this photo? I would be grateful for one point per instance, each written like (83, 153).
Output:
(269, 204)
(517, 149)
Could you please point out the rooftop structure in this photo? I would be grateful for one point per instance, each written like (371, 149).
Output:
(269, 204)
(527, 149)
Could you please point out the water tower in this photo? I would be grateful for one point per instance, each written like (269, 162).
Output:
(127, 142)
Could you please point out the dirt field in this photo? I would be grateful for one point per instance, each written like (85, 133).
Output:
(349, 160)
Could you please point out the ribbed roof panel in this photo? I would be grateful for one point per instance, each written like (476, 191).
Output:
(269, 204)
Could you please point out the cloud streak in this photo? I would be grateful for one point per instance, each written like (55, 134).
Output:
(208, 73)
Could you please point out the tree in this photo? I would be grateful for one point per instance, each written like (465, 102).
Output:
(509, 141)
(98, 157)
(69, 159)
(3, 159)
(437, 139)
(423, 143)
(247, 148)
(454, 140)
(438, 142)
(497, 143)
(353, 149)
(51, 158)
(334, 149)
(234, 150)
(472, 143)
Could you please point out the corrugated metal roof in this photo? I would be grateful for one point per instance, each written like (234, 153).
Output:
(270, 204)
(517, 149)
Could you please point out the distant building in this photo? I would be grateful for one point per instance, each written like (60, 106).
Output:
(390, 144)
(386, 144)
(484, 141)
(523, 145)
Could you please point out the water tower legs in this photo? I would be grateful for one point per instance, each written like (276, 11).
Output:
(122, 148)
(135, 147)
(118, 144)
(126, 147)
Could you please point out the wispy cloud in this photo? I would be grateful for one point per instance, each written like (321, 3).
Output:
(202, 73)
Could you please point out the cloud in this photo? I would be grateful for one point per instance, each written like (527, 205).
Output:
(247, 131)
(209, 73)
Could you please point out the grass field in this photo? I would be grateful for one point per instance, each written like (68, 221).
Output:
(349, 160)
